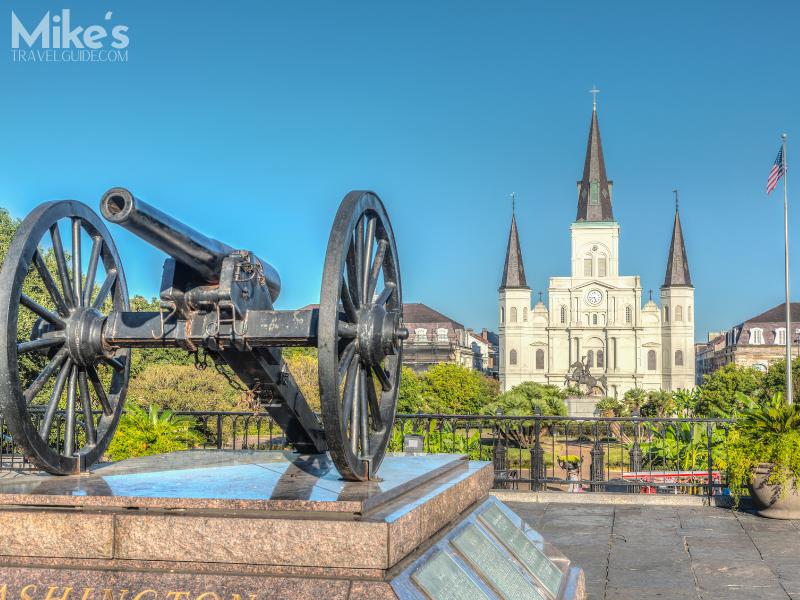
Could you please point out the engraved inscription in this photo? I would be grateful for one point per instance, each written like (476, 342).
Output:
(515, 540)
(494, 566)
(441, 578)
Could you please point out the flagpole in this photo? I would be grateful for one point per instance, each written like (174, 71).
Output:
(789, 396)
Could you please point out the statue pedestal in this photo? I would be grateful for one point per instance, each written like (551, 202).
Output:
(238, 525)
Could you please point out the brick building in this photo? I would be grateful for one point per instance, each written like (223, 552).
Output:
(756, 342)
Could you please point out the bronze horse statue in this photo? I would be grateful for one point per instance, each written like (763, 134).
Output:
(579, 375)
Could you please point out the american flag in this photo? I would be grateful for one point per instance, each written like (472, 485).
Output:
(776, 172)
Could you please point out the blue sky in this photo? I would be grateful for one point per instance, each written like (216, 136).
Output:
(250, 120)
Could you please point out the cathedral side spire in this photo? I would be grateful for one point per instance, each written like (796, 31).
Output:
(513, 271)
(677, 263)
(594, 191)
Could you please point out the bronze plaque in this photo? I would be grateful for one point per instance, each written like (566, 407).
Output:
(515, 540)
(494, 566)
(441, 578)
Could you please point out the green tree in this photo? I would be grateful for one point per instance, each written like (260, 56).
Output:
(727, 390)
(775, 379)
(453, 389)
(633, 400)
(686, 401)
(411, 392)
(184, 388)
(609, 407)
(659, 404)
(525, 398)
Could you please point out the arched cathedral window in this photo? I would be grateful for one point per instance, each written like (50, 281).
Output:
(513, 314)
(600, 359)
(651, 360)
(594, 319)
(679, 313)
(563, 314)
(602, 268)
(540, 359)
(666, 314)
(525, 313)
(628, 314)
(502, 315)
(512, 357)
(678, 358)
(590, 358)
(587, 266)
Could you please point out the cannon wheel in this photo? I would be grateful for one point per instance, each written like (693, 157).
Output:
(52, 355)
(360, 336)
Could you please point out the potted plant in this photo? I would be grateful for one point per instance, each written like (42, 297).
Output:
(764, 455)
(571, 464)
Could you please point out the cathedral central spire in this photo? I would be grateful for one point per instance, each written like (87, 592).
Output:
(594, 189)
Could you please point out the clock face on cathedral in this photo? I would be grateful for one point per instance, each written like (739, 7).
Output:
(594, 297)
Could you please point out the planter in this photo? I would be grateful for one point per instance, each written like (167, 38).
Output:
(772, 502)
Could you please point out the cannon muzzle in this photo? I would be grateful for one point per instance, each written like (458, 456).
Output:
(201, 254)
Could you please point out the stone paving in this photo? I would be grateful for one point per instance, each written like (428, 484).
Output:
(697, 553)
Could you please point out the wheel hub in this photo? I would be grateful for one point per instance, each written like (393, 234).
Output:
(379, 332)
(84, 335)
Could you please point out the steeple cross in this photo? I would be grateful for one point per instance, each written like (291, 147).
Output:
(513, 202)
(676, 199)
(594, 91)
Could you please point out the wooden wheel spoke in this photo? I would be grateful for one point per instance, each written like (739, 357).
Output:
(363, 411)
(374, 405)
(50, 284)
(347, 330)
(52, 406)
(349, 392)
(43, 377)
(40, 344)
(383, 377)
(345, 359)
(355, 410)
(77, 269)
(86, 405)
(352, 277)
(386, 293)
(359, 252)
(377, 265)
(91, 272)
(347, 301)
(366, 259)
(69, 425)
(111, 278)
(61, 264)
(113, 362)
(40, 310)
(98, 389)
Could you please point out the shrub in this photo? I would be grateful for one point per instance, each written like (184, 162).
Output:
(145, 432)
(523, 400)
(766, 432)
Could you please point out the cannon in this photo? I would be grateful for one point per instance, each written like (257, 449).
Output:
(65, 363)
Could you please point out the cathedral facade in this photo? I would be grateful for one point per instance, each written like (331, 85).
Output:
(595, 316)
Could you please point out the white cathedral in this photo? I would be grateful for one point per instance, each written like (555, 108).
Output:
(596, 316)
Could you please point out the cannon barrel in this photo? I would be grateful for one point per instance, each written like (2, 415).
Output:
(201, 254)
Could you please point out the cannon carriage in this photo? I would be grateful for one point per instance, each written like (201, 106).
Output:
(65, 363)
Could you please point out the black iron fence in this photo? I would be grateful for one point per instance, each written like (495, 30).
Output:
(586, 454)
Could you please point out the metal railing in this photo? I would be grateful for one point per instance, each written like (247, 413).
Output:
(572, 454)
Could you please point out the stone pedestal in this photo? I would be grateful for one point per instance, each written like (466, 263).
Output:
(219, 525)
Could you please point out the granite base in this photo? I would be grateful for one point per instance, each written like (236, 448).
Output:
(228, 525)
